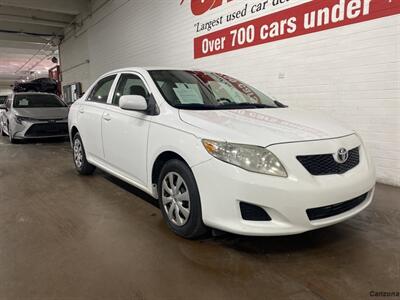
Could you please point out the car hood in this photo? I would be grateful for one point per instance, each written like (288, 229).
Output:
(264, 127)
(43, 112)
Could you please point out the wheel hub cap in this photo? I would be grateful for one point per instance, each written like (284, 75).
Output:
(175, 198)
(78, 153)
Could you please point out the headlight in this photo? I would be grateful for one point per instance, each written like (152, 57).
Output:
(19, 119)
(251, 158)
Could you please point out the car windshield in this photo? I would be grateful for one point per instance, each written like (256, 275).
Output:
(38, 100)
(3, 99)
(208, 91)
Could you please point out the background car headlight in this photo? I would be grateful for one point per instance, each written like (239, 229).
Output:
(251, 158)
(20, 119)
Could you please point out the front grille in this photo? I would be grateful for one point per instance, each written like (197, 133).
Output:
(47, 129)
(334, 209)
(50, 120)
(325, 164)
(252, 212)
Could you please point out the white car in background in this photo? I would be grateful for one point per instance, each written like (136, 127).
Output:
(218, 153)
(33, 115)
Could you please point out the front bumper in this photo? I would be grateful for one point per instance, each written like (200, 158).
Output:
(222, 187)
(38, 129)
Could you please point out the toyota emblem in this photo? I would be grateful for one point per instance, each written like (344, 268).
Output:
(342, 155)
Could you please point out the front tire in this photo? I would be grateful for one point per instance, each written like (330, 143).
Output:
(10, 136)
(81, 164)
(179, 200)
(2, 131)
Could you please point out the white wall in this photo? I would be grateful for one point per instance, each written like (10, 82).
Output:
(73, 57)
(351, 73)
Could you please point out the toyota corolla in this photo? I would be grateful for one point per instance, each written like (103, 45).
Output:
(218, 153)
(33, 115)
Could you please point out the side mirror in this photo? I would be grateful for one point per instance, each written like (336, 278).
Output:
(133, 102)
(3, 106)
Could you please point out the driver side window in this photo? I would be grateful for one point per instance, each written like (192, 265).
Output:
(101, 90)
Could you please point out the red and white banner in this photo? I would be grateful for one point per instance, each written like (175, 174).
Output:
(299, 20)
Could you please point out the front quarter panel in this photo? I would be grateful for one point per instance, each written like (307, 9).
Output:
(163, 138)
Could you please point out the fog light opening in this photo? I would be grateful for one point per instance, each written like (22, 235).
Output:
(252, 212)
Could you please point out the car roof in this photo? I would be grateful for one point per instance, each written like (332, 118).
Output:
(143, 69)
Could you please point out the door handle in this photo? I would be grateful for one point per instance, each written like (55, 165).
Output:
(81, 110)
(107, 117)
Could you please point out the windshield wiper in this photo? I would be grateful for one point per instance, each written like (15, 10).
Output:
(280, 104)
(247, 105)
(196, 106)
(243, 105)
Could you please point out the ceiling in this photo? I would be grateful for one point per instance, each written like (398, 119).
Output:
(30, 31)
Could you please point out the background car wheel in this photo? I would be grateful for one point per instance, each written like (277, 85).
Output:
(81, 164)
(10, 136)
(2, 131)
(180, 200)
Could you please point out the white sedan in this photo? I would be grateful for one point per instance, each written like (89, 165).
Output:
(32, 116)
(218, 153)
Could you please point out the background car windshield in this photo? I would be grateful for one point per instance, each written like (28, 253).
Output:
(32, 101)
(3, 99)
(206, 90)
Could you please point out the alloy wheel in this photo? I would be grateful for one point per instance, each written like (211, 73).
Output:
(78, 153)
(175, 198)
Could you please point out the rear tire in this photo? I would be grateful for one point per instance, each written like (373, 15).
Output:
(179, 200)
(81, 164)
